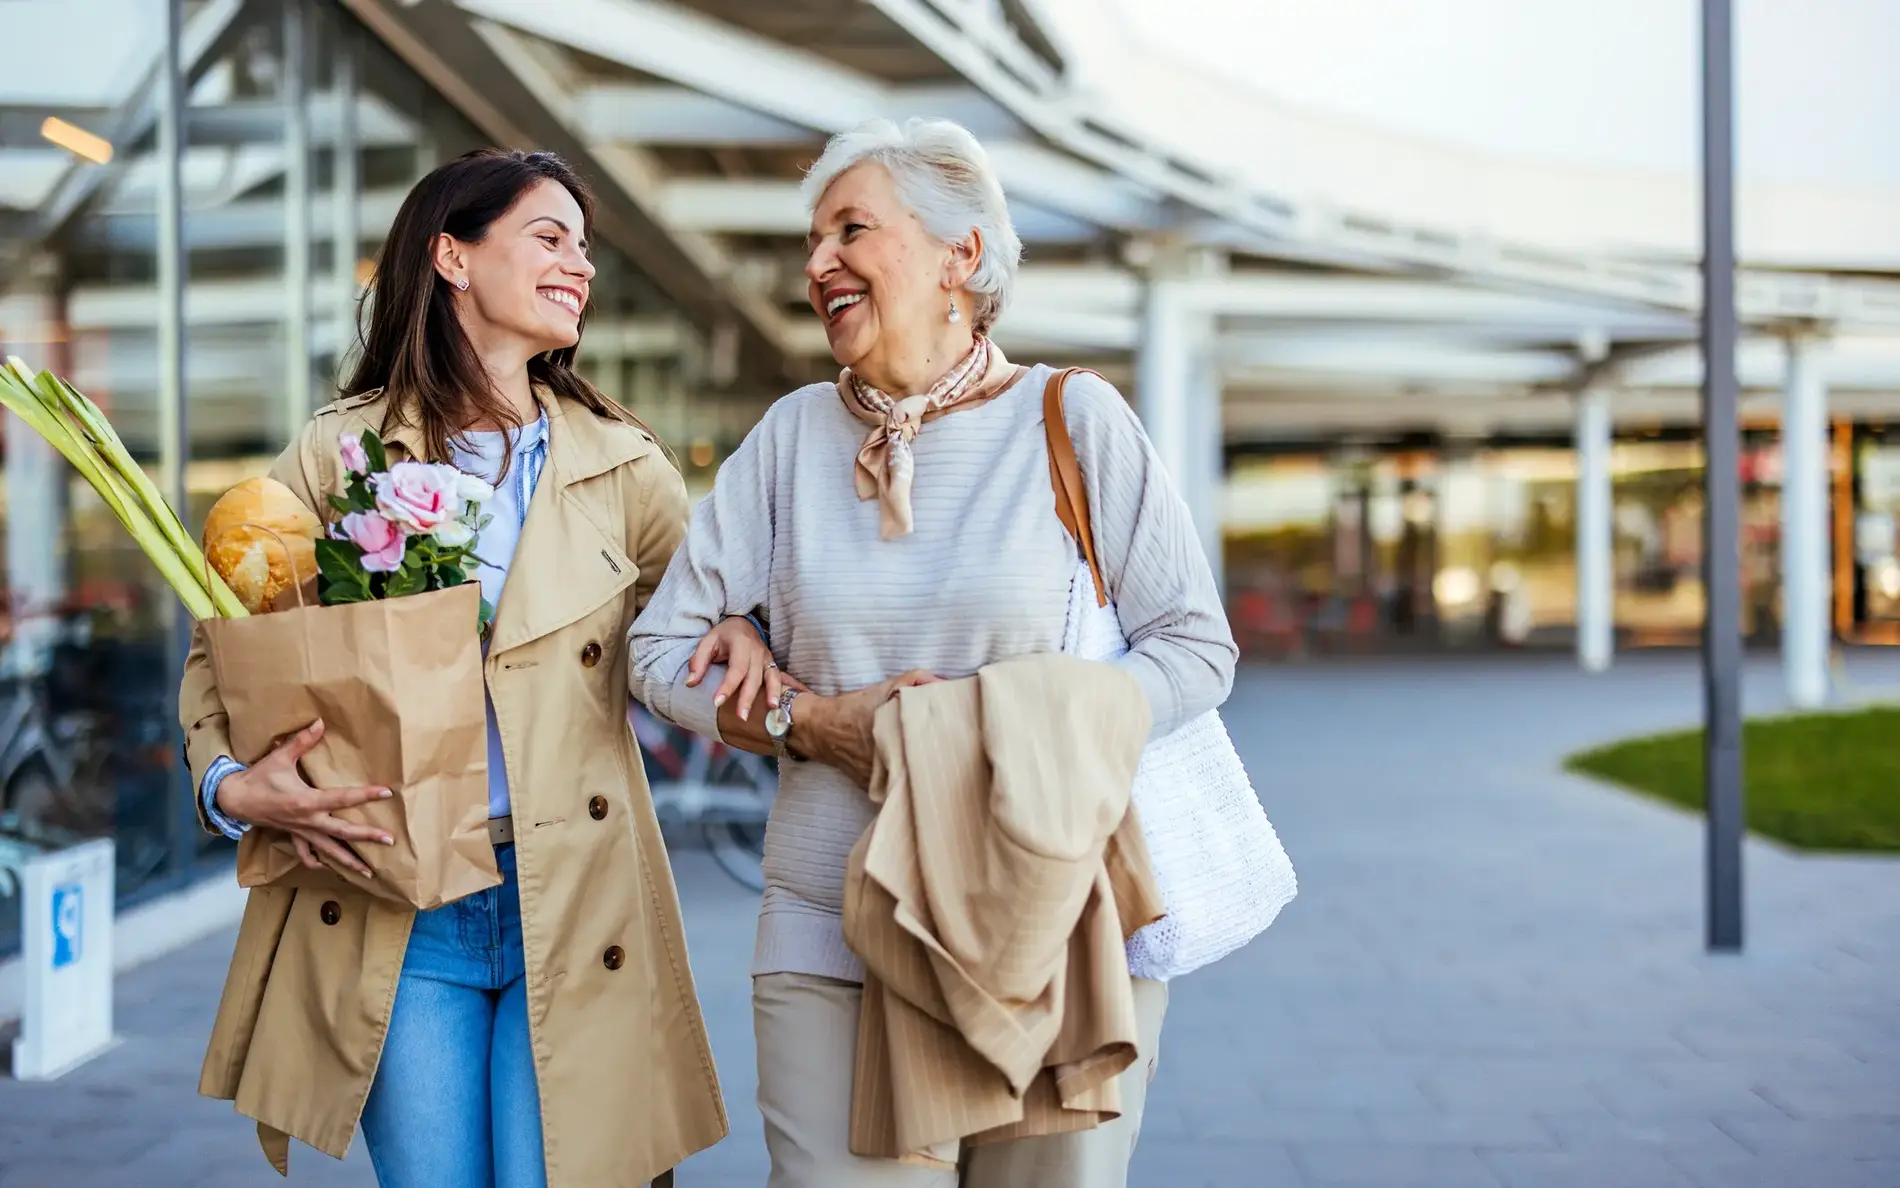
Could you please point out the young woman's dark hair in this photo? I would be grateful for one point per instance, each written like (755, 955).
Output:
(415, 345)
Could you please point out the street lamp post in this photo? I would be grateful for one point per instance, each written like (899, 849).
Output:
(1721, 557)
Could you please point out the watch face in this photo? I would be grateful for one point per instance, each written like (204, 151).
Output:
(775, 723)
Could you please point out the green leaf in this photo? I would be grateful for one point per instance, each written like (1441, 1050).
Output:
(339, 561)
(338, 593)
(360, 497)
(406, 581)
(340, 504)
(373, 447)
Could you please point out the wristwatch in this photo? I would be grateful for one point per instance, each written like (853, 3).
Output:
(778, 723)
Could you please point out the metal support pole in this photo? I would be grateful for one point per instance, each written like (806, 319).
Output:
(1596, 574)
(346, 186)
(1806, 596)
(1721, 557)
(296, 101)
(174, 426)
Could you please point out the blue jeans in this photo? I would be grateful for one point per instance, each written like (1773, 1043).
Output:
(454, 1104)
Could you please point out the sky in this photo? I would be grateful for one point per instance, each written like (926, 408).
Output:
(1610, 83)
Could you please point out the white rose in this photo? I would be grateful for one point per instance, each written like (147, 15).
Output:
(473, 489)
(453, 534)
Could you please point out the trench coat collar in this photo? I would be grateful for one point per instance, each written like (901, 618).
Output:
(581, 444)
(567, 561)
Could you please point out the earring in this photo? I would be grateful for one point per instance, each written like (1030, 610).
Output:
(462, 284)
(956, 315)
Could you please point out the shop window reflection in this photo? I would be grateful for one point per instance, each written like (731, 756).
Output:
(1473, 545)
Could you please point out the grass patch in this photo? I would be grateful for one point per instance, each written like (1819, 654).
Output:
(1817, 781)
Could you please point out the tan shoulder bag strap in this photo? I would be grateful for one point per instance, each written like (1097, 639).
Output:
(1065, 476)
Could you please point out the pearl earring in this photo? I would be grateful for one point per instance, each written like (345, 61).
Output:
(956, 315)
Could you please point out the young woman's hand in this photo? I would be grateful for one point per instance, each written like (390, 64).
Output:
(750, 668)
(836, 731)
(272, 794)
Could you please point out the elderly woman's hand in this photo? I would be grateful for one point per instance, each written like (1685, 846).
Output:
(735, 643)
(836, 731)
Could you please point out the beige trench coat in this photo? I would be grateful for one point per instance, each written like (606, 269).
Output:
(991, 899)
(626, 1075)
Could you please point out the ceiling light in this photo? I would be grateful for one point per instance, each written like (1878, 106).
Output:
(77, 140)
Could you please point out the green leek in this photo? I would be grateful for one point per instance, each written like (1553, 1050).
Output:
(76, 427)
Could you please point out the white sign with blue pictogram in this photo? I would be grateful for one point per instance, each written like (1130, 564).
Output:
(66, 943)
(69, 923)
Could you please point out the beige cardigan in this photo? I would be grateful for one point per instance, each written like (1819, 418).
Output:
(990, 900)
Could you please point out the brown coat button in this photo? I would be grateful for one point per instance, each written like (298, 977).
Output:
(330, 912)
(590, 655)
(614, 957)
(597, 808)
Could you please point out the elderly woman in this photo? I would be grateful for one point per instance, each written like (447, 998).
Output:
(892, 528)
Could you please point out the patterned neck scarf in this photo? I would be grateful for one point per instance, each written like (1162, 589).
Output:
(885, 463)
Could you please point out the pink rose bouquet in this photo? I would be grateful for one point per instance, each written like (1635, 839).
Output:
(405, 529)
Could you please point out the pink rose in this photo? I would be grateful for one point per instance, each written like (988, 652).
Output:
(355, 457)
(418, 496)
(381, 541)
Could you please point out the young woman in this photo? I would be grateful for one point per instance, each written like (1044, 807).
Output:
(545, 1032)
(895, 526)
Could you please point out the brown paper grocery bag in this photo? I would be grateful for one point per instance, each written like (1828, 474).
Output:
(398, 684)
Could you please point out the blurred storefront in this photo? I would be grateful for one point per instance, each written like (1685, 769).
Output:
(1424, 544)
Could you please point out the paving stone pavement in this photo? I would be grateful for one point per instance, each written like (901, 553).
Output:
(1493, 978)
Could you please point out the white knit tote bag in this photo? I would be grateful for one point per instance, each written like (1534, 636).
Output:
(1221, 870)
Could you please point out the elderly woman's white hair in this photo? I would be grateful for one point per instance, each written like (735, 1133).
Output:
(944, 176)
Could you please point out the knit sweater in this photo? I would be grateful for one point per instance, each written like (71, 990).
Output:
(983, 576)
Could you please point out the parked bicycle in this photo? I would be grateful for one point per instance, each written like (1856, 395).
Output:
(722, 794)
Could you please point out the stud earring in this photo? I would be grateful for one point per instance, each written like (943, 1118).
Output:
(956, 315)
(462, 284)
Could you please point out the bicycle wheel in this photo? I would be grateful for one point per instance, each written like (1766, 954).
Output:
(739, 849)
(737, 843)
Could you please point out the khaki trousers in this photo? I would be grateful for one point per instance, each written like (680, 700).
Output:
(807, 1031)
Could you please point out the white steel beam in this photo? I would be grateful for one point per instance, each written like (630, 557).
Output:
(1290, 354)
(734, 205)
(1856, 361)
(764, 206)
(696, 51)
(257, 121)
(1028, 332)
(121, 309)
(249, 222)
(667, 114)
(1282, 297)
(795, 87)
